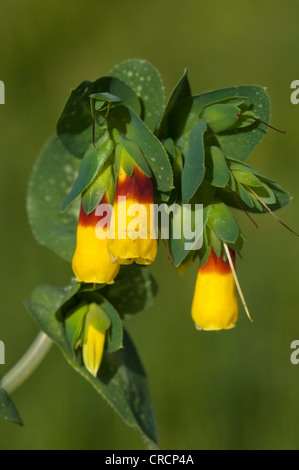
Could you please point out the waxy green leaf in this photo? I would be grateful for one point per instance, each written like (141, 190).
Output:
(75, 124)
(102, 184)
(115, 333)
(265, 193)
(177, 246)
(244, 195)
(130, 125)
(134, 151)
(222, 222)
(181, 92)
(52, 178)
(204, 252)
(194, 165)
(235, 165)
(217, 172)
(134, 290)
(74, 325)
(246, 178)
(92, 163)
(148, 85)
(8, 411)
(215, 242)
(94, 194)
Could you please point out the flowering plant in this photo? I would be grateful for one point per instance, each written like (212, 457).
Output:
(119, 150)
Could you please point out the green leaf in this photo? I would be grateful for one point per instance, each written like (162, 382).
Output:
(52, 177)
(194, 166)
(104, 97)
(125, 160)
(215, 242)
(181, 92)
(97, 318)
(74, 126)
(121, 380)
(176, 160)
(74, 325)
(247, 176)
(217, 172)
(177, 247)
(239, 143)
(282, 199)
(94, 194)
(134, 290)
(54, 297)
(249, 179)
(244, 195)
(235, 143)
(134, 151)
(232, 182)
(265, 193)
(238, 245)
(115, 334)
(222, 222)
(170, 147)
(148, 85)
(130, 125)
(8, 411)
(91, 165)
(246, 120)
(241, 166)
(204, 252)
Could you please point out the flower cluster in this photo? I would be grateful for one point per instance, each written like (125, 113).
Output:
(121, 149)
(192, 153)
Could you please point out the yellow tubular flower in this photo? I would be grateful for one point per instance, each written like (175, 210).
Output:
(93, 348)
(91, 261)
(97, 324)
(215, 303)
(130, 240)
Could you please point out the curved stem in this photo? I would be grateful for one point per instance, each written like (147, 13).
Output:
(27, 364)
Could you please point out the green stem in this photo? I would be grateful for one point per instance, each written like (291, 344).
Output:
(27, 364)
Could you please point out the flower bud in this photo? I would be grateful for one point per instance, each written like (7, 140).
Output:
(96, 325)
(221, 117)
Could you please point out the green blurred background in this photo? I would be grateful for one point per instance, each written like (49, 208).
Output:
(231, 390)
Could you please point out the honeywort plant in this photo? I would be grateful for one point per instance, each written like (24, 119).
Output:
(118, 143)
